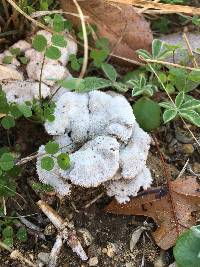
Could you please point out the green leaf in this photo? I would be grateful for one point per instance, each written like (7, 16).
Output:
(53, 52)
(58, 40)
(8, 122)
(102, 43)
(63, 161)
(7, 186)
(15, 51)
(47, 163)
(191, 116)
(120, 87)
(58, 23)
(147, 113)
(24, 60)
(22, 234)
(157, 47)
(144, 54)
(99, 56)
(42, 187)
(6, 161)
(194, 76)
(52, 147)
(39, 43)
(7, 59)
(169, 115)
(73, 84)
(110, 71)
(8, 241)
(7, 232)
(167, 105)
(25, 110)
(94, 83)
(179, 99)
(187, 249)
(191, 104)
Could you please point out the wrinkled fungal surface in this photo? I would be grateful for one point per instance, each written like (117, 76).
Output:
(105, 144)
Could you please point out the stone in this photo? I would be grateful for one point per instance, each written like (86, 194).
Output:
(188, 149)
(93, 261)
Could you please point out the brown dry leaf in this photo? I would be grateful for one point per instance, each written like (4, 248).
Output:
(156, 203)
(126, 30)
(159, 6)
(9, 73)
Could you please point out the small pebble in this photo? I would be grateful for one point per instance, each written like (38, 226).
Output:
(196, 167)
(93, 261)
(44, 257)
(111, 250)
(188, 148)
(49, 229)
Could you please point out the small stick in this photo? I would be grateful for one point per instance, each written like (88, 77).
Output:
(66, 233)
(93, 201)
(55, 251)
(190, 50)
(85, 39)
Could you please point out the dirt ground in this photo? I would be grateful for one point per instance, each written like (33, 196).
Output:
(105, 237)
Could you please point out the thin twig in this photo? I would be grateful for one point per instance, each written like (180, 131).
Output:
(66, 233)
(169, 64)
(190, 50)
(85, 39)
(38, 14)
(40, 81)
(160, 6)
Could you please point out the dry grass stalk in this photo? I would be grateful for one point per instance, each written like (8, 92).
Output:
(159, 6)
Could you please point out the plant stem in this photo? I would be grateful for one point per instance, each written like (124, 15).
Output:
(40, 82)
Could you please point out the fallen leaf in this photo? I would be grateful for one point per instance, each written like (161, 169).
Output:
(173, 212)
(8, 73)
(2, 115)
(126, 30)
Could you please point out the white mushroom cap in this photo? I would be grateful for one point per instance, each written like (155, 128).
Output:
(21, 91)
(124, 189)
(133, 156)
(110, 114)
(96, 162)
(71, 116)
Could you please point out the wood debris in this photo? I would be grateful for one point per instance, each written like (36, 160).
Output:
(66, 233)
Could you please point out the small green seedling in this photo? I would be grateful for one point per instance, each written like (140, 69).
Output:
(62, 159)
(184, 106)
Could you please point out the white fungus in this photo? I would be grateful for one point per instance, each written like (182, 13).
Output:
(98, 130)
(106, 144)
(94, 163)
(123, 189)
(52, 70)
(21, 91)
